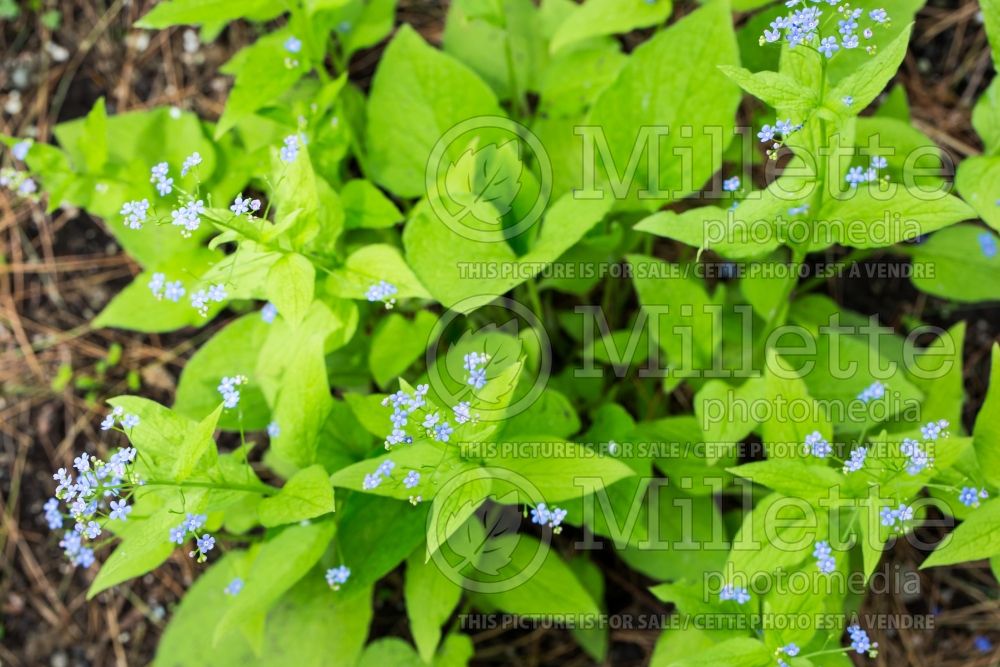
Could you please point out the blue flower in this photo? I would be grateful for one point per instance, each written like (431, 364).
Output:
(872, 392)
(824, 557)
(896, 518)
(371, 481)
(847, 100)
(730, 592)
(988, 244)
(293, 44)
(194, 522)
(731, 184)
(290, 148)
(878, 15)
(337, 576)
(860, 641)
(970, 496)
(269, 312)
(919, 459)
(234, 587)
(443, 431)
(544, 516)
(982, 644)
(119, 510)
(828, 46)
(130, 421)
(382, 291)
(173, 291)
(766, 134)
(462, 412)
(190, 162)
(856, 461)
(385, 468)
(273, 430)
(817, 445)
(178, 534)
(20, 149)
(228, 389)
(934, 430)
(135, 213)
(412, 479)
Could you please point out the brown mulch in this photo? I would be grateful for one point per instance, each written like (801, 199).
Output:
(61, 269)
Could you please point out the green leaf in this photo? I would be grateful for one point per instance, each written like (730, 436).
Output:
(974, 539)
(389, 651)
(232, 350)
(396, 343)
(978, 179)
(302, 404)
(792, 478)
(430, 599)
(280, 562)
(607, 17)
(366, 207)
(438, 254)
(417, 95)
(774, 89)
(484, 182)
(783, 436)
(290, 284)
(871, 78)
(368, 265)
(671, 81)
(953, 264)
(197, 12)
(308, 494)
(198, 443)
(739, 652)
(886, 221)
(986, 432)
(377, 534)
(296, 630)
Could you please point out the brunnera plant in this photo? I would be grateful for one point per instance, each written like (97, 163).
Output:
(369, 407)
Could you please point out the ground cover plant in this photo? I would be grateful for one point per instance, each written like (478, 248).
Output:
(552, 297)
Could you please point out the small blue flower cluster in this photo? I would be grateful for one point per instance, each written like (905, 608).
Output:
(201, 299)
(737, 593)
(234, 587)
(190, 526)
(786, 651)
(160, 176)
(988, 244)
(98, 481)
(382, 291)
(269, 312)
(896, 518)
(337, 576)
(935, 429)
(127, 421)
(273, 430)
(801, 27)
(243, 205)
(135, 213)
(824, 557)
(374, 480)
(162, 289)
(858, 175)
(475, 363)
(970, 496)
(817, 445)
(731, 184)
(860, 641)
(769, 133)
(918, 459)
(289, 149)
(872, 392)
(228, 388)
(16, 180)
(856, 460)
(544, 516)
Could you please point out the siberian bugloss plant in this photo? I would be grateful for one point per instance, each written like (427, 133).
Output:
(527, 284)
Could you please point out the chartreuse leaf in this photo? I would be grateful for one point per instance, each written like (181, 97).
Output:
(366, 206)
(986, 433)
(783, 435)
(463, 273)
(417, 95)
(866, 82)
(290, 283)
(377, 534)
(775, 89)
(302, 404)
(937, 372)
(547, 588)
(672, 81)
(867, 218)
(197, 12)
(430, 599)
(396, 343)
(296, 631)
(420, 456)
(737, 652)
(306, 495)
(978, 179)
(232, 350)
(279, 562)
(390, 651)
(974, 539)
(959, 263)
(198, 443)
(368, 265)
(792, 478)
(780, 532)
(607, 17)
(722, 411)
